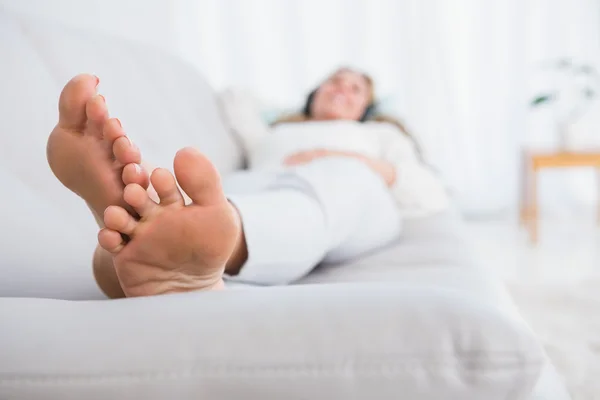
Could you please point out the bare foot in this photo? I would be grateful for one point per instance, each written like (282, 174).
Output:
(173, 247)
(88, 152)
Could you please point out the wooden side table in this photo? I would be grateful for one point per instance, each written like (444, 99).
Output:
(533, 162)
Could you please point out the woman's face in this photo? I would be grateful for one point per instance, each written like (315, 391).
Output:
(345, 95)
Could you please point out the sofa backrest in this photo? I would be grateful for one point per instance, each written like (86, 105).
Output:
(48, 234)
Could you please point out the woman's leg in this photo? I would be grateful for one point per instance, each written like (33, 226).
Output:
(289, 227)
(331, 209)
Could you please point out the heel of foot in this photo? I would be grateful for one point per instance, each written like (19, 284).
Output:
(181, 284)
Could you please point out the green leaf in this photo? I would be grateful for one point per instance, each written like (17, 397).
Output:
(542, 99)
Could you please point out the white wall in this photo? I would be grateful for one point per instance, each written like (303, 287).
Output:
(459, 73)
(150, 22)
(459, 70)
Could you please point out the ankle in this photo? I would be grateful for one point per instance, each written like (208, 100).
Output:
(105, 274)
(239, 256)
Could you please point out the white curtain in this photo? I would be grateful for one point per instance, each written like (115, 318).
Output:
(459, 72)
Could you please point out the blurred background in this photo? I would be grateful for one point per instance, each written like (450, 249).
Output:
(461, 74)
(479, 84)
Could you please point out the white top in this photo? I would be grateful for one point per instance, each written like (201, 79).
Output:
(418, 192)
(286, 139)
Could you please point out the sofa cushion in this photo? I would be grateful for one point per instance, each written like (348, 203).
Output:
(339, 341)
(434, 253)
(48, 235)
(163, 103)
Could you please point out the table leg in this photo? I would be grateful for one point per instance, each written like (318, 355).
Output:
(523, 197)
(598, 193)
(533, 206)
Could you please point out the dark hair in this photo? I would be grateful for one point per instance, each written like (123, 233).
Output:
(369, 110)
(371, 113)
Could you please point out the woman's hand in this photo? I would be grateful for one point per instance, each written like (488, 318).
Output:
(304, 157)
(385, 169)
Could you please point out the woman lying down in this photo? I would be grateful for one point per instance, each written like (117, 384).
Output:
(328, 184)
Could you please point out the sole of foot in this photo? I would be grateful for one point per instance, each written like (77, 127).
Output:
(173, 247)
(89, 152)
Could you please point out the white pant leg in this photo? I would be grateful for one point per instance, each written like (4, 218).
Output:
(362, 214)
(331, 209)
(378, 222)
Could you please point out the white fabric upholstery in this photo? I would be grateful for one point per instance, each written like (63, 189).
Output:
(301, 342)
(446, 330)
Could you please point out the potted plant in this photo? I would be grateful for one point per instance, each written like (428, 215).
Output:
(575, 87)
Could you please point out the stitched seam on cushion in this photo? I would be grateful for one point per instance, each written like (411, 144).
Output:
(270, 371)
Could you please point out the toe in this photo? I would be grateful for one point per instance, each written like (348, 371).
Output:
(118, 219)
(135, 173)
(110, 240)
(73, 100)
(198, 177)
(97, 115)
(137, 197)
(112, 130)
(126, 152)
(166, 187)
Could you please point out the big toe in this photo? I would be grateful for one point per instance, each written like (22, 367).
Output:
(198, 177)
(73, 100)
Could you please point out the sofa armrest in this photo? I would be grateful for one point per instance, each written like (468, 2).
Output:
(344, 341)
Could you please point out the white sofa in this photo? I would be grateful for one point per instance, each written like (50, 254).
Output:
(419, 320)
